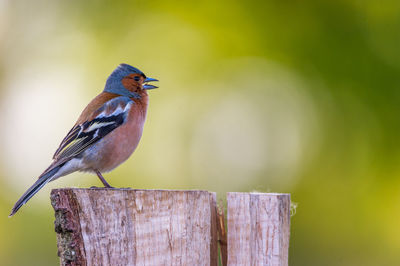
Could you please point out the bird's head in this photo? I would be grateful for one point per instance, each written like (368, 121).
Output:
(129, 81)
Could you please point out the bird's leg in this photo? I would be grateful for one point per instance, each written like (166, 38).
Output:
(105, 183)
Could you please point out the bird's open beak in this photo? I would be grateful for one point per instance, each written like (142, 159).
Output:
(149, 86)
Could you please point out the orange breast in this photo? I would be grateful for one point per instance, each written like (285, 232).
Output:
(117, 146)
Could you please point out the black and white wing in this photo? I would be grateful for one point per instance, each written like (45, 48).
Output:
(107, 118)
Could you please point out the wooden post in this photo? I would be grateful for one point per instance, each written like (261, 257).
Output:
(135, 227)
(258, 228)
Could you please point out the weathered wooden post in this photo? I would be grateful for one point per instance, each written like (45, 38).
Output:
(100, 226)
(135, 227)
(258, 228)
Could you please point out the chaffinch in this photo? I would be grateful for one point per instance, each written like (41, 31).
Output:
(106, 133)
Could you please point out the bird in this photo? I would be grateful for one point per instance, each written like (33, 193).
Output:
(106, 133)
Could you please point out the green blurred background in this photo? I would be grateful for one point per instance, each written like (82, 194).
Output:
(284, 96)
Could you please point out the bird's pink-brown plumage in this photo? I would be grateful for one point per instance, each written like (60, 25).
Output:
(117, 146)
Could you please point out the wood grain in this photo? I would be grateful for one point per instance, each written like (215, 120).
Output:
(258, 228)
(135, 227)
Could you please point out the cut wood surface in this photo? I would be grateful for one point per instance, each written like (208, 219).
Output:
(258, 228)
(100, 226)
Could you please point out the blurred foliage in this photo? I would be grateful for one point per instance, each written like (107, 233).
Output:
(289, 96)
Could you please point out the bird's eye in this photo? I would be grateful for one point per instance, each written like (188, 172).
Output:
(136, 78)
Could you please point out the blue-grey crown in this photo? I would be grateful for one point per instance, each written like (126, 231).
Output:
(123, 70)
(114, 84)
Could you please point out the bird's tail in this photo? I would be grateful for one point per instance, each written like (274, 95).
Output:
(42, 180)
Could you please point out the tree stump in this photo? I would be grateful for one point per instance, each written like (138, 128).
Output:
(258, 228)
(101, 226)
